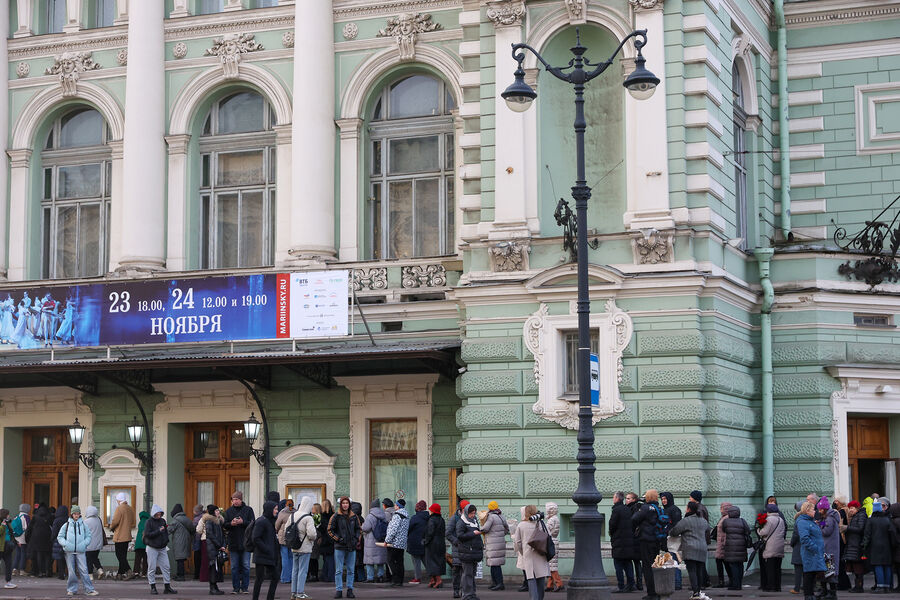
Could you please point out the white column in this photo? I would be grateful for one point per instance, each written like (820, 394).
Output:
(4, 134)
(312, 221)
(19, 168)
(115, 217)
(350, 217)
(73, 16)
(176, 253)
(645, 134)
(284, 193)
(510, 129)
(121, 12)
(143, 203)
(24, 12)
(180, 9)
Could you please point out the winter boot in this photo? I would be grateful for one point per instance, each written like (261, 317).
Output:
(168, 590)
(857, 586)
(153, 591)
(214, 589)
(558, 584)
(438, 582)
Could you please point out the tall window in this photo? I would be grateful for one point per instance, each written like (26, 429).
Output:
(55, 15)
(571, 359)
(76, 196)
(392, 458)
(740, 157)
(104, 13)
(410, 207)
(237, 191)
(208, 7)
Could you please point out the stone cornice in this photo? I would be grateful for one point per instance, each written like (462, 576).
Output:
(345, 10)
(811, 14)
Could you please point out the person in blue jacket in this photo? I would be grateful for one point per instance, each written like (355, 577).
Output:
(812, 547)
(74, 537)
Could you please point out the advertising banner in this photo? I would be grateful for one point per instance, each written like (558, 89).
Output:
(246, 307)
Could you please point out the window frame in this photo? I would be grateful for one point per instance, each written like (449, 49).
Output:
(390, 454)
(741, 169)
(115, 489)
(570, 389)
(212, 145)
(384, 131)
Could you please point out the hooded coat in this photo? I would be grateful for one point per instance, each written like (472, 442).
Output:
(435, 546)
(831, 532)
(811, 544)
(214, 535)
(306, 526)
(326, 544)
(469, 544)
(37, 534)
(551, 509)
(417, 524)
(93, 522)
(868, 501)
(182, 531)
(266, 550)
(672, 511)
(156, 531)
(60, 518)
(398, 529)
(878, 539)
(373, 554)
(451, 537)
(74, 536)
(736, 531)
(856, 529)
(495, 529)
(719, 533)
(644, 523)
(693, 531)
(773, 534)
(621, 534)
(139, 543)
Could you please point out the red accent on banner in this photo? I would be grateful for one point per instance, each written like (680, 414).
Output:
(283, 305)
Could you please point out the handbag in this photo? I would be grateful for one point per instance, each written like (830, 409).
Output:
(221, 559)
(541, 542)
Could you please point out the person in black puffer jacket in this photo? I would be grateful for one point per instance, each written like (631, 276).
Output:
(156, 536)
(878, 546)
(853, 551)
(39, 541)
(344, 531)
(471, 549)
(644, 523)
(621, 537)
(266, 550)
(60, 518)
(894, 514)
(215, 542)
(737, 533)
(674, 513)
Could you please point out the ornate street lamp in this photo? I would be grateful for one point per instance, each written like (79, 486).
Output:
(135, 435)
(251, 432)
(588, 579)
(76, 436)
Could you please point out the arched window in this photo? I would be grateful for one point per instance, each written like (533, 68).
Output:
(76, 196)
(237, 188)
(740, 156)
(410, 207)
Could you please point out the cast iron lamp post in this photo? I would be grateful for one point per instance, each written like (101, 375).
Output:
(588, 579)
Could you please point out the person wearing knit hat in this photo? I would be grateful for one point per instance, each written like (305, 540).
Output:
(830, 522)
(495, 528)
(435, 546)
(702, 512)
(853, 548)
(470, 548)
(375, 557)
(414, 546)
(74, 538)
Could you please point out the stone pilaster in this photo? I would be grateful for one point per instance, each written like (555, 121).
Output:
(4, 135)
(25, 14)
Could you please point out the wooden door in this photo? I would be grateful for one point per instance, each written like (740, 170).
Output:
(217, 462)
(50, 467)
(868, 445)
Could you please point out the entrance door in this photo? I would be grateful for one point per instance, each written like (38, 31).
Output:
(50, 469)
(217, 462)
(869, 452)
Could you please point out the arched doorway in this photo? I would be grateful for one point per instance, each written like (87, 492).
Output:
(217, 462)
(50, 467)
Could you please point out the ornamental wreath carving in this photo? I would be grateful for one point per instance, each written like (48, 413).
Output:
(230, 48)
(509, 256)
(652, 248)
(67, 66)
(405, 29)
(506, 12)
(575, 8)
(645, 4)
(419, 276)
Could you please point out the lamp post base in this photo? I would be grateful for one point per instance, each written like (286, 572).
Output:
(588, 589)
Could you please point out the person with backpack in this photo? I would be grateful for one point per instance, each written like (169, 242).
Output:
(237, 518)
(19, 525)
(343, 528)
(74, 537)
(213, 543)
(535, 564)
(414, 546)
(737, 540)
(266, 550)
(285, 510)
(182, 531)
(98, 540)
(649, 523)
(7, 546)
(156, 537)
(395, 538)
(140, 547)
(374, 529)
(299, 535)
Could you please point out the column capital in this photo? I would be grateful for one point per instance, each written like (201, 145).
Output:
(506, 13)
(283, 133)
(118, 148)
(19, 157)
(180, 9)
(350, 128)
(178, 144)
(646, 4)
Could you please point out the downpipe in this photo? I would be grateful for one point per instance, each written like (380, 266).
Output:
(763, 258)
(783, 133)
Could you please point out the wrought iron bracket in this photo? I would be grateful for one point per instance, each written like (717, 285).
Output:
(139, 379)
(879, 241)
(565, 218)
(260, 455)
(83, 382)
(319, 373)
(88, 459)
(260, 376)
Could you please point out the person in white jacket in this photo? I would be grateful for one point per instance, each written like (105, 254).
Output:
(93, 522)
(306, 535)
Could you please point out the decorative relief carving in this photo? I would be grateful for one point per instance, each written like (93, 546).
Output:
(350, 31)
(122, 57)
(22, 70)
(68, 66)
(509, 256)
(419, 276)
(405, 29)
(370, 279)
(741, 45)
(576, 11)
(287, 39)
(179, 50)
(645, 4)
(543, 335)
(505, 13)
(653, 247)
(229, 48)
